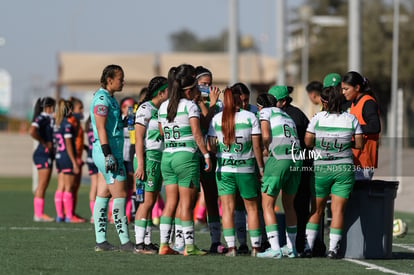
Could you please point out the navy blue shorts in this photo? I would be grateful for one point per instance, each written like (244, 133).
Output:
(64, 164)
(92, 169)
(42, 160)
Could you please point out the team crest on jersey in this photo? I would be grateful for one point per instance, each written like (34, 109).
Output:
(101, 110)
(150, 183)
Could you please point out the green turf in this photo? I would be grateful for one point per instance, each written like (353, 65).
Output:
(27, 247)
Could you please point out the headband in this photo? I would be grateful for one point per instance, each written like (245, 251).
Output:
(190, 86)
(154, 94)
(203, 74)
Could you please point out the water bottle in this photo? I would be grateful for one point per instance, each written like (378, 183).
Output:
(140, 190)
(131, 120)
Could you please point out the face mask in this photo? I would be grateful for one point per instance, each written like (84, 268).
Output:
(205, 90)
(78, 116)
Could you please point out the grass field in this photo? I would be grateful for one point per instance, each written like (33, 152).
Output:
(27, 247)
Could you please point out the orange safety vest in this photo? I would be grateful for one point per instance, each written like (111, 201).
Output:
(367, 157)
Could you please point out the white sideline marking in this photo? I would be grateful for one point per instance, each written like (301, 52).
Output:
(408, 247)
(47, 228)
(376, 267)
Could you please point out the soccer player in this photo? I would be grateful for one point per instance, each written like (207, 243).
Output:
(41, 130)
(234, 134)
(66, 164)
(92, 169)
(282, 172)
(147, 163)
(209, 105)
(330, 134)
(107, 153)
(179, 121)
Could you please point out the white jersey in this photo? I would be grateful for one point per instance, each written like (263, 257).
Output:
(333, 136)
(239, 156)
(285, 141)
(147, 116)
(178, 136)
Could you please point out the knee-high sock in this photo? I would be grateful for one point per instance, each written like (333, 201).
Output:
(291, 236)
(100, 218)
(273, 236)
(165, 229)
(38, 204)
(120, 219)
(59, 204)
(179, 234)
(229, 236)
(148, 232)
(91, 206)
(188, 232)
(140, 226)
(128, 205)
(68, 204)
(311, 234)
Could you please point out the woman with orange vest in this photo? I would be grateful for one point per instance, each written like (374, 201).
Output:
(364, 106)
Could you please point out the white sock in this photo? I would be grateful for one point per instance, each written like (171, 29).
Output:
(310, 237)
(273, 238)
(230, 240)
(139, 234)
(165, 231)
(179, 236)
(188, 232)
(333, 241)
(291, 237)
(148, 234)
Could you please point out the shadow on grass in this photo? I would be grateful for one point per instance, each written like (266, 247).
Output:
(402, 255)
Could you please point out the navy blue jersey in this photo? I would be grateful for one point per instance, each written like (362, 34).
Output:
(64, 131)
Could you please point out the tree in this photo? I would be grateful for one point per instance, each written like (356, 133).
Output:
(185, 40)
(329, 47)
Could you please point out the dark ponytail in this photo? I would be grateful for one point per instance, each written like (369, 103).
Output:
(179, 79)
(40, 105)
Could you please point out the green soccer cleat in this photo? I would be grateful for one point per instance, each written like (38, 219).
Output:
(192, 250)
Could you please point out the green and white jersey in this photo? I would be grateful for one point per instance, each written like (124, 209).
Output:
(239, 156)
(333, 136)
(285, 142)
(147, 116)
(177, 134)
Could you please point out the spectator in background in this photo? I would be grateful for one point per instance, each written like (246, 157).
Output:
(41, 130)
(364, 106)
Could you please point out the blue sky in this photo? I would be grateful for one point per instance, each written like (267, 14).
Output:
(36, 31)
